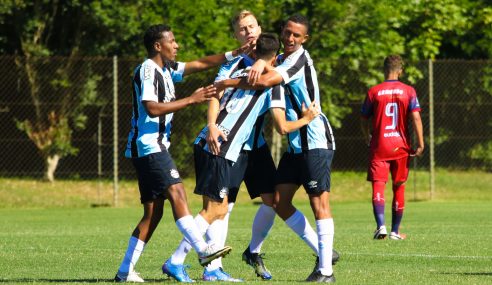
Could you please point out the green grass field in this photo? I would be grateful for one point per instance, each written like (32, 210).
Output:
(51, 235)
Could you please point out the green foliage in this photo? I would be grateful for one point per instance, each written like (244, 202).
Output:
(483, 153)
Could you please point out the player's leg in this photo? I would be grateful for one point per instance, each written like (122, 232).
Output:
(378, 175)
(260, 182)
(316, 179)
(152, 186)
(399, 172)
(217, 232)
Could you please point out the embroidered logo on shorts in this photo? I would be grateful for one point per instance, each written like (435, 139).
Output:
(174, 173)
(223, 192)
(312, 184)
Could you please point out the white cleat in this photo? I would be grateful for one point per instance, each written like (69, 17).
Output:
(211, 252)
(128, 277)
(380, 233)
(397, 236)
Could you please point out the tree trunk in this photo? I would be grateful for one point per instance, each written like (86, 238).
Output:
(51, 164)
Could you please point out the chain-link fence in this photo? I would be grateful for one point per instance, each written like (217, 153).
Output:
(66, 105)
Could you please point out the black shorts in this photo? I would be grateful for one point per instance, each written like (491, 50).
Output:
(212, 174)
(257, 169)
(312, 169)
(156, 172)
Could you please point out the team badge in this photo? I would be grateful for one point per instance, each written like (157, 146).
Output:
(174, 173)
(223, 192)
(312, 184)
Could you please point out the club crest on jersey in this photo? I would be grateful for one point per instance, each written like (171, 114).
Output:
(174, 173)
(223, 192)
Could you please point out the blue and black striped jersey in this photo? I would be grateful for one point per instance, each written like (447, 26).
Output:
(152, 83)
(301, 87)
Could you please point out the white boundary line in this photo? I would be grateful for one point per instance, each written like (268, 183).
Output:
(419, 255)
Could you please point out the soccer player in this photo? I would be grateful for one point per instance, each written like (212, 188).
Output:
(260, 171)
(311, 148)
(389, 106)
(215, 174)
(154, 102)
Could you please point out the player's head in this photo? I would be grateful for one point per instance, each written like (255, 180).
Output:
(267, 46)
(159, 40)
(245, 26)
(294, 33)
(393, 66)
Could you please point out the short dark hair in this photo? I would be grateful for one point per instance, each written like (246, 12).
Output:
(299, 19)
(267, 46)
(393, 63)
(153, 34)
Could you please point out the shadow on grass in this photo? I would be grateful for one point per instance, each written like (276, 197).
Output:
(54, 280)
(468, 273)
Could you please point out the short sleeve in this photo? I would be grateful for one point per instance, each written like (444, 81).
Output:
(277, 97)
(177, 71)
(366, 110)
(148, 83)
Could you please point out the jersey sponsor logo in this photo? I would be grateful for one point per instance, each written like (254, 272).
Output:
(312, 184)
(147, 72)
(223, 192)
(390, 92)
(391, 134)
(174, 173)
(223, 129)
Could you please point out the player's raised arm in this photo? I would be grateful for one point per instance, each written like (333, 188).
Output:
(216, 59)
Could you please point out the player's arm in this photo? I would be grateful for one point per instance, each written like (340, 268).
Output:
(419, 132)
(365, 126)
(284, 127)
(202, 94)
(270, 78)
(214, 133)
(215, 60)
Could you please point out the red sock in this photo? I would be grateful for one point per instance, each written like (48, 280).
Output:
(378, 201)
(397, 207)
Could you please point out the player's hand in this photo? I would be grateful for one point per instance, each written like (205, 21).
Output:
(418, 151)
(368, 140)
(311, 112)
(220, 86)
(213, 136)
(256, 71)
(247, 48)
(203, 94)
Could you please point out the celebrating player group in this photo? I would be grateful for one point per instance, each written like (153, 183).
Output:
(254, 81)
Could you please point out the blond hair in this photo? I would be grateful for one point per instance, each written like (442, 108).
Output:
(239, 16)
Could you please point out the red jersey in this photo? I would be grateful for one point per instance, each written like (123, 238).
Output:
(390, 104)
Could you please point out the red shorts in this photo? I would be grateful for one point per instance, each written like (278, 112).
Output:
(378, 170)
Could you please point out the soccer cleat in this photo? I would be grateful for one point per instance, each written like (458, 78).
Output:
(334, 258)
(320, 278)
(380, 233)
(256, 261)
(131, 276)
(211, 253)
(176, 271)
(397, 236)
(218, 275)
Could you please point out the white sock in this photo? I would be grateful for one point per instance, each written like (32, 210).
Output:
(179, 255)
(326, 231)
(217, 233)
(262, 224)
(133, 252)
(214, 235)
(300, 225)
(193, 231)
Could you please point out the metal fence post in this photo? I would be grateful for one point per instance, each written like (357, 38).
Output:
(431, 129)
(115, 130)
